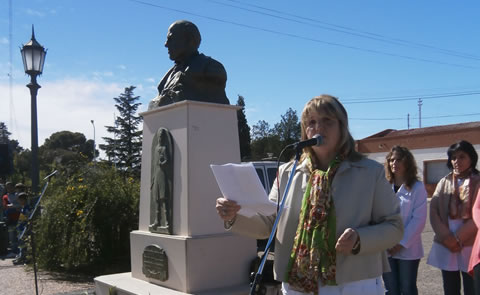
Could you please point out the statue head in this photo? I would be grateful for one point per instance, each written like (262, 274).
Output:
(183, 39)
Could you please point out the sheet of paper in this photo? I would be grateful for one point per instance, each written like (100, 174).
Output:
(240, 183)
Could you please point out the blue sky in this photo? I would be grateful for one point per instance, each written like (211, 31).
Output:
(278, 54)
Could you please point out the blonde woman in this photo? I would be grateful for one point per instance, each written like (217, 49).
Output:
(340, 213)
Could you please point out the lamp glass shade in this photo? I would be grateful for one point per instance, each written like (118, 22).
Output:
(33, 59)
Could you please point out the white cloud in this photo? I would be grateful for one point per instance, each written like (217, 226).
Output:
(151, 80)
(3, 41)
(35, 12)
(61, 105)
(102, 74)
(122, 67)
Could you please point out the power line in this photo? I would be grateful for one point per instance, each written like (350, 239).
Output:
(407, 97)
(308, 38)
(429, 117)
(345, 30)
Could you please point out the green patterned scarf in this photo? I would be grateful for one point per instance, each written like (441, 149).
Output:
(313, 255)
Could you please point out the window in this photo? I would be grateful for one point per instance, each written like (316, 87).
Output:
(261, 176)
(272, 175)
(434, 171)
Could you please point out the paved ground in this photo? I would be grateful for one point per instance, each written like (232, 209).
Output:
(20, 280)
(429, 279)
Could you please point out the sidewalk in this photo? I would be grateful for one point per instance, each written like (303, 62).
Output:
(20, 280)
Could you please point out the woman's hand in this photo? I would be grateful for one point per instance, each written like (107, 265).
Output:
(346, 241)
(452, 243)
(227, 209)
(395, 249)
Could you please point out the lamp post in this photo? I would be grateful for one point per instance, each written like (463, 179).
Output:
(93, 123)
(33, 55)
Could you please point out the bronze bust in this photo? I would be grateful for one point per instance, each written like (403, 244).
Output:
(194, 75)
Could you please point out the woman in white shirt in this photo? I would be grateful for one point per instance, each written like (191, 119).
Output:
(404, 258)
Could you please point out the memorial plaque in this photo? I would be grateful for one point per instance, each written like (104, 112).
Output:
(155, 263)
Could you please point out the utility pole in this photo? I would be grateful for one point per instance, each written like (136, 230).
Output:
(408, 121)
(420, 103)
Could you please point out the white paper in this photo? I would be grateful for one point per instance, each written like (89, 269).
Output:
(240, 183)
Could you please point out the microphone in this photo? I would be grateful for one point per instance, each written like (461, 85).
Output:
(316, 140)
(51, 174)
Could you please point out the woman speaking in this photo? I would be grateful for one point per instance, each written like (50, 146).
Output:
(340, 213)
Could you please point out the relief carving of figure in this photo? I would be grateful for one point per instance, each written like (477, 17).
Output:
(161, 190)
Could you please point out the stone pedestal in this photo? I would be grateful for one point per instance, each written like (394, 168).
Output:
(202, 258)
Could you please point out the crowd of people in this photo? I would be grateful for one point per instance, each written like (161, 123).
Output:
(351, 226)
(14, 213)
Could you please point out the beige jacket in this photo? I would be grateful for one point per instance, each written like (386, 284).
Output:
(439, 212)
(363, 199)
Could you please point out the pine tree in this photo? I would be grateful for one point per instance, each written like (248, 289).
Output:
(243, 130)
(4, 133)
(124, 149)
(8, 149)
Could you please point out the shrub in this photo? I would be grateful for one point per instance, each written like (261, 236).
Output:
(86, 220)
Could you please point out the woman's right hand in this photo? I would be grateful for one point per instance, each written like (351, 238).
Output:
(451, 243)
(227, 209)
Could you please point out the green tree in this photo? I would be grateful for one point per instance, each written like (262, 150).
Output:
(8, 149)
(4, 133)
(243, 130)
(124, 149)
(261, 129)
(65, 148)
(265, 143)
(288, 129)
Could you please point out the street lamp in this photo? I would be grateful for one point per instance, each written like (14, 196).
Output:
(93, 123)
(33, 55)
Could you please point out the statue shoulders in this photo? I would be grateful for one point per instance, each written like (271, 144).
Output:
(207, 64)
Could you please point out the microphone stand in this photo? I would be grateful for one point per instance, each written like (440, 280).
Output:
(255, 285)
(28, 230)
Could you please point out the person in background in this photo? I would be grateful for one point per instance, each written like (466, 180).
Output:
(3, 189)
(21, 258)
(404, 258)
(451, 219)
(19, 188)
(340, 214)
(11, 212)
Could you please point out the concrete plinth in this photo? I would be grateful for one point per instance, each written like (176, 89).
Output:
(202, 257)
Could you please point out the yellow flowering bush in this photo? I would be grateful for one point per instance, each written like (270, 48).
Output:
(87, 218)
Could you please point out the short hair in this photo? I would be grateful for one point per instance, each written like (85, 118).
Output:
(331, 106)
(190, 30)
(467, 148)
(409, 162)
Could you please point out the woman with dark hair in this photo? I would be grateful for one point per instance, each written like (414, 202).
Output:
(404, 258)
(340, 214)
(451, 218)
